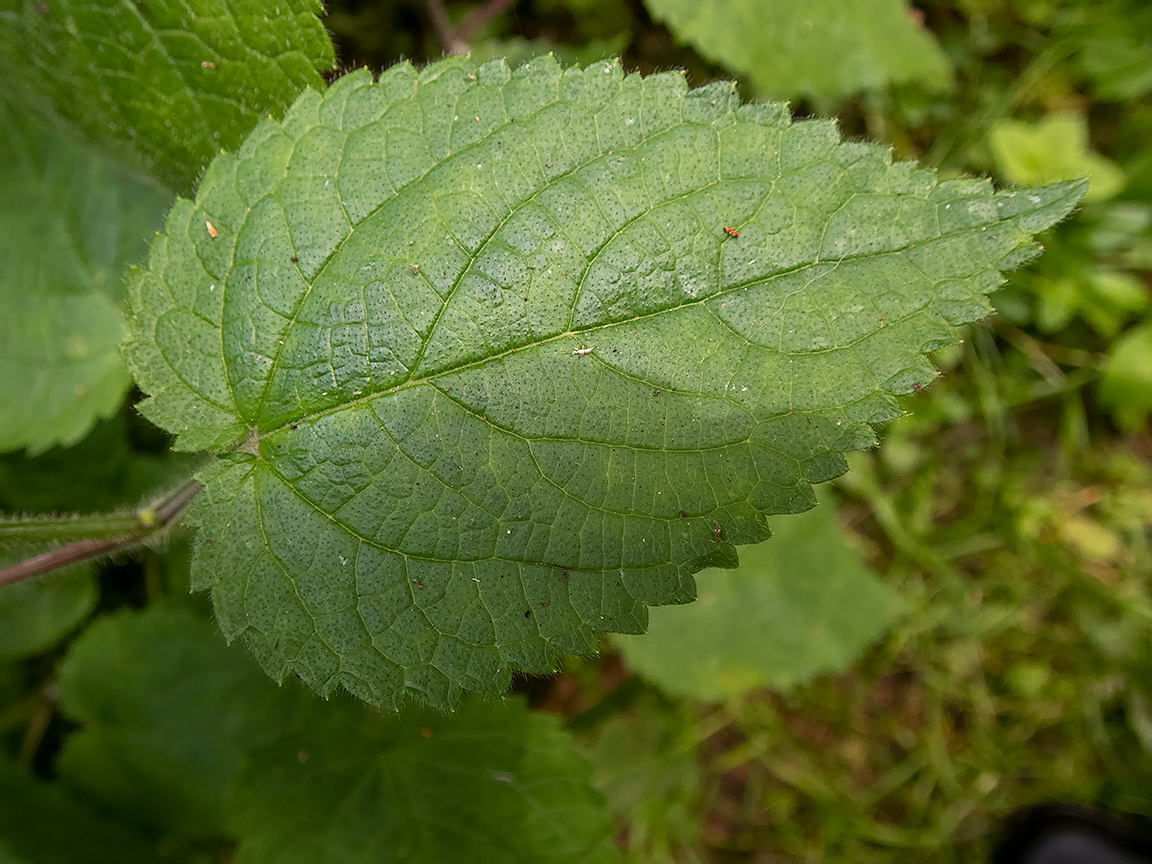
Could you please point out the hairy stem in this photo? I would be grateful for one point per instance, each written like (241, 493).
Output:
(455, 39)
(55, 529)
(97, 535)
(480, 16)
(440, 21)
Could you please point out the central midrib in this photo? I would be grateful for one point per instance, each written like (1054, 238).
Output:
(592, 328)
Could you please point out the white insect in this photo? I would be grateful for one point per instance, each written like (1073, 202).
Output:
(580, 352)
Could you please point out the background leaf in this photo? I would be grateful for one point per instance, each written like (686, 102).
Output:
(36, 614)
(168, 83)
(40, 824)
(184, 737)
(490, 370)
(112, 466)
(168, 713)
(646, 765)
(70, 223)
(800, 604)
(1054, 148)
(1127, 384)
(491, 782)
(826, 49)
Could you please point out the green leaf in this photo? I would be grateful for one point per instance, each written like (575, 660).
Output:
(168, 83)
(485, 370)
(70, 223)
(168, 713)
(801, 604)
(182, 736)
(826, 49)
(1054, 148)
(1126, 388)
(493, 782)
(40, 824)
(100, 472)
(36, 614)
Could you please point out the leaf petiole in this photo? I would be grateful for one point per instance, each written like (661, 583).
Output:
(88, 537)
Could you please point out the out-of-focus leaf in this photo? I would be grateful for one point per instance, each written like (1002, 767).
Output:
(1053, 148)
(164, 83)
(70, 223)
(37, 613)
(1113, 40)
(826, 49)
(645, 764)
(485, 355)
(170, 718)
(40, 824)
(491, 782)
(800, 604)
(1126, 388)
(167, 712)
(102, 471)
(1112, 296)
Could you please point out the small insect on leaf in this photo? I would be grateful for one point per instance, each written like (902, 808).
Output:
(580, 352)
(295, 260)
(730, 231)
(717, 532)
(212, 232)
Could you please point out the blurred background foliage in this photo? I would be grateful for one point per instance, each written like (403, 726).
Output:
(1001, 530)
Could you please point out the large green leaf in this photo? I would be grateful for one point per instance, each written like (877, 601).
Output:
(487, 374)
(825, 49)
(800, 604)
(166, 83)
(70, 223)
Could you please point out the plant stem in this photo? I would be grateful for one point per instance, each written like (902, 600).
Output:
(98, 534)
(455, 39)
(478, 17)
(56, 529)
(444, 28)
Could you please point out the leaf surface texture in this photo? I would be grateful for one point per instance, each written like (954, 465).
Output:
(488, 375)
